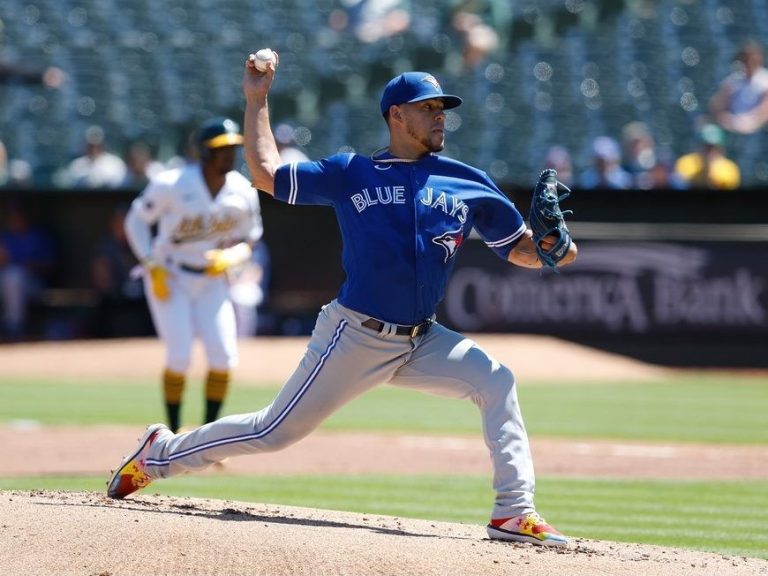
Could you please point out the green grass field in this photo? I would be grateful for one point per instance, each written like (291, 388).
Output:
(691, 409)
(725, 517)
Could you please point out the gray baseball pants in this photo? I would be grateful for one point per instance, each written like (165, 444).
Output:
(345, 359)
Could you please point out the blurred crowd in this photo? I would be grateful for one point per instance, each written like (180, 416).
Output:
(738, 111)
(636, 162)
(728, 130)
(100, 166)
(728, 134)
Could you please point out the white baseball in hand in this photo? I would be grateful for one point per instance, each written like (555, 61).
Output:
(261, 58)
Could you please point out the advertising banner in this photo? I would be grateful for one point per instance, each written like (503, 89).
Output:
(615, 288)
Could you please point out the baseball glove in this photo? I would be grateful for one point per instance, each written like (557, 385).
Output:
(546, 219)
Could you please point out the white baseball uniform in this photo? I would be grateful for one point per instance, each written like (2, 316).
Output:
(190, 221)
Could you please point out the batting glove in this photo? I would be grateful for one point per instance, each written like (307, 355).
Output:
(220, 260)
(158, 277)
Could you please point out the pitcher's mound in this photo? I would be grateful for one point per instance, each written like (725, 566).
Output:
(60, 533)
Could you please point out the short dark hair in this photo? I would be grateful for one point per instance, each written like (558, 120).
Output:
(750, 47)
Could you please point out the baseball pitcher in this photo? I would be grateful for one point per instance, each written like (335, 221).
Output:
(404, 213)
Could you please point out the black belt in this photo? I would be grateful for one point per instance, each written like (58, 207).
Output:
(412, 331)
(191, 269)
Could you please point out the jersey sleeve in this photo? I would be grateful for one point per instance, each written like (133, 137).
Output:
(246, 198)
(319, 182)
(151, 203)
(499, 223)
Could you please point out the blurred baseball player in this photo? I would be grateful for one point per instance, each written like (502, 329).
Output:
(208, 218)
(404, 213)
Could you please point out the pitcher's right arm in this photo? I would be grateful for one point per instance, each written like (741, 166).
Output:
(261, 153)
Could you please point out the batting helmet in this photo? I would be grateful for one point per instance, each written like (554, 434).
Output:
(217, 133)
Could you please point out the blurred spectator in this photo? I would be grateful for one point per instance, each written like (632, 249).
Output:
(97, 167)
(483, 27)
(478, 39)
(559, 158)
(640, 157)
(286, 145)
(26, 264)
(122, 310)
(708, 166)
(186, 153)
(740, 106)
(141, 166)
(13, 172)
(19, 173)
(606, 171)
(248, 289)
(662, 174)
(3, 164)
(372, 20)
(741, 103)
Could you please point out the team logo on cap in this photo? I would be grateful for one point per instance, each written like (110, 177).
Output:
(450, 241)
(429, 79)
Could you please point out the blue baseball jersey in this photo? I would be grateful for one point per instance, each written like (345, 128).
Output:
(402, 224)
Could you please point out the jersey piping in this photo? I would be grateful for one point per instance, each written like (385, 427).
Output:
(294, 183)
(509, 239)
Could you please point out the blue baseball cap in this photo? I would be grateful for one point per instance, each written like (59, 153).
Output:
(414, 87)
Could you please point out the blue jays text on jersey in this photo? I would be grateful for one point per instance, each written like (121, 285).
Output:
(402, 224)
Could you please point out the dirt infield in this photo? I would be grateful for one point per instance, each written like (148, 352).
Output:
(84, 533)
(273, 359)
(67, 451)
